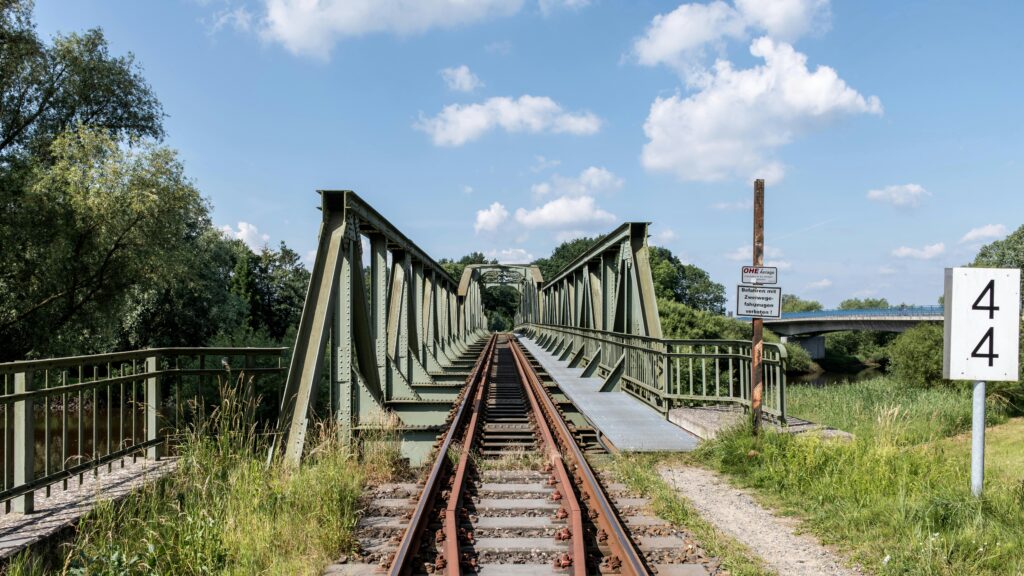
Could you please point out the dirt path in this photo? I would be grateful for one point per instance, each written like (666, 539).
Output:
(771, 537)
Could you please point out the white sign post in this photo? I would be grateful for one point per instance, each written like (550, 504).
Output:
(758, 301)
(982, 333)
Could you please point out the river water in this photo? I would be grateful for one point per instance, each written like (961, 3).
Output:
(830, 378)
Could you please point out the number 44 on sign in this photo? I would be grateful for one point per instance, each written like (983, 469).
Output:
(982, 324)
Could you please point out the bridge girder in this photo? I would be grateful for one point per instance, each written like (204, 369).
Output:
(526, 278)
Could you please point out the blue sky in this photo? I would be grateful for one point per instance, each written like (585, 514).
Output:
(889, 133)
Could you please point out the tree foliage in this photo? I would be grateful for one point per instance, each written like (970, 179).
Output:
(685, 283)
(106, 243)
(916, 356)
(793, 303)
(863, 304)
(563, 255)
(455, 267)
(1005, 253)
(98, 220)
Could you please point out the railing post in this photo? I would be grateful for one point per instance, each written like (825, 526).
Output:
(153, 401)
(24, 443)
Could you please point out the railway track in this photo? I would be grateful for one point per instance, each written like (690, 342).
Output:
(511, 492)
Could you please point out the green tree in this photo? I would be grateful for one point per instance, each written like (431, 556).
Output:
(501, 304)
(563, 255)
(793, 303)
(916, 356)
(1005, 253)
(865, 304)
(456, 267)
(50, 89)
(103, 220)
(685, 283)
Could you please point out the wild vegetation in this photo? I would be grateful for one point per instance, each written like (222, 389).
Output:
(224, 511)
(896, 497)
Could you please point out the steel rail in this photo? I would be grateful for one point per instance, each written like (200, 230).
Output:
(577, 534)
(452, 558)
(401, 564)
(622, 547)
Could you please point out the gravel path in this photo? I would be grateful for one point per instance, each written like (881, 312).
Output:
(771, 537)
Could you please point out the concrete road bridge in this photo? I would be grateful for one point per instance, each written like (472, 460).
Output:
(809, 328)
(387, 337)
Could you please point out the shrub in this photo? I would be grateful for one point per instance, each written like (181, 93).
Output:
(798, 359)
(916, 356)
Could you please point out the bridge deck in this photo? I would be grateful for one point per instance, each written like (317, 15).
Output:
(628, 423)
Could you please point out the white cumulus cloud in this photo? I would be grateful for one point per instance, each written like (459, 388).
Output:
(820, 284)
(457, 124)
(592, 180)
(738, 118)
(772, 255)
(565, 212)
(663, 237)
(678, 38)
(510, 256)
(461, 79)
(549, 6)
(490, 218)
(312, 27)
(924, 253)
(248, 233)
(909, 195)
(986, 232)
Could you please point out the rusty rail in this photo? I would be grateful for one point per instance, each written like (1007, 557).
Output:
(626, 558)
(577, 561)
(401, 564)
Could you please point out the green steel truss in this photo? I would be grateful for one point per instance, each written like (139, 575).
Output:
(402, 336)
(396, 331)
(609, 287)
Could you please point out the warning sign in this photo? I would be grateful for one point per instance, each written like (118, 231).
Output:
(758, 301)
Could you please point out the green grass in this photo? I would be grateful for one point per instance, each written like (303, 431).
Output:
(639, 473)
(897, 497)
(884, 405)
(223, 511)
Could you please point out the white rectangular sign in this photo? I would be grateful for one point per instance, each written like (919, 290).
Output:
(758, 301)
(759, 275)
(982, 324)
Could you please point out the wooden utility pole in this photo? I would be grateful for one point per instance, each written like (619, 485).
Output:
(756, 348)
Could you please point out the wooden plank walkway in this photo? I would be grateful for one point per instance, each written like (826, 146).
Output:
(63, 508)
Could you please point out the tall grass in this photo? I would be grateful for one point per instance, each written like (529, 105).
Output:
(896, 497)
(224, 511)
(917, 414)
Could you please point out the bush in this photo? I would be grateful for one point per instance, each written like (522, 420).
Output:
(916, 356)
(798, 359)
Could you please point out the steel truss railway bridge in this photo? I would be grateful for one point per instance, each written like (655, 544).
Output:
(395, 338)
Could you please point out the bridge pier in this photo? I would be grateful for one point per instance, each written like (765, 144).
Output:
(814, 345)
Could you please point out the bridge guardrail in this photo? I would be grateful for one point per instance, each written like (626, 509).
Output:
(62, 399)
(666, 373)
(893, 312)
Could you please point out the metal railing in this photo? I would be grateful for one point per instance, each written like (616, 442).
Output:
(669, 373)
(66, 417)
(893, 312)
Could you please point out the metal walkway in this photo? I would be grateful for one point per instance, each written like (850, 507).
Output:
(625, 421)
